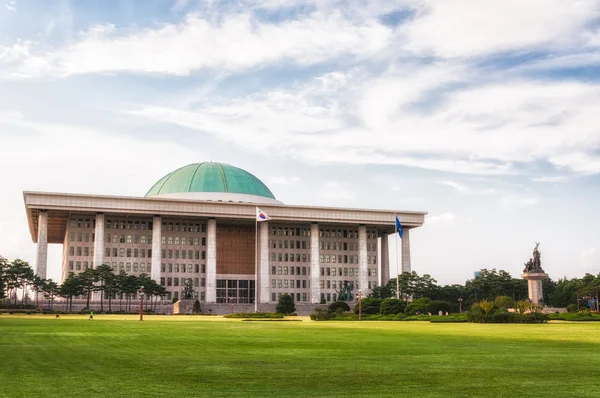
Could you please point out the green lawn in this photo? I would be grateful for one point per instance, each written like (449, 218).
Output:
(170, 357)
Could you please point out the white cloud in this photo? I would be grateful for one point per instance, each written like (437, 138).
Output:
(465, 189)
(11, 6)
(354, 118)
(515, 201)
(444, 219)
(232, 43)
(550, 179)
(465, 28)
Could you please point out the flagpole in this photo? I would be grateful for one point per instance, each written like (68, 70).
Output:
(256, 261)
(397, 267)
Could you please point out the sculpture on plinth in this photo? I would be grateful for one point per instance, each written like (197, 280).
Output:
(345, 292)
(534, 274)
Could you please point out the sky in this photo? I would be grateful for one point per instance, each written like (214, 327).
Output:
(485, 114)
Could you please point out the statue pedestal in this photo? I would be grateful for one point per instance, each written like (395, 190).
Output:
(534, 284)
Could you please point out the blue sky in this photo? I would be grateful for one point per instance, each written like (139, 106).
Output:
(484, 114)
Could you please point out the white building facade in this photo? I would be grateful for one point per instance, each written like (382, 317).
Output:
(198, 223)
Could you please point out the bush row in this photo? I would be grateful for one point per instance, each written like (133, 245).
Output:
(583, 316)
(255, 315)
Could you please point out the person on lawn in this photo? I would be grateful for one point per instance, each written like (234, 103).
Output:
(91, 318)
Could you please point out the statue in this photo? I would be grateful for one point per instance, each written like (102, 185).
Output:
(188, 290)
(534, 264)
(345, 292)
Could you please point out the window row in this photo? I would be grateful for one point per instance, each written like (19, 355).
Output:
(183, 254)
(304, 296)
(176, 240)
(129, 224)
(82, 223)
(81, 251)
(327, 271)
(183, 227)
(324, 245)
(135, 267)
(116, 238)
(282, 270)
(291, 257)
(127, 252)
(345, 259)
(293, 283)
(289, 244)
(340, 284)
(168, 281)
(175, 295)
(77, 265)
(280, 231)
(81, 237)
(344, 233)
(197, 268)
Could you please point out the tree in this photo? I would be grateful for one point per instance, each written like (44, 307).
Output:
(51, 289)
(503, 302)
(392, 306)
(104, 274)
(70, 287)
(4, 264)
(196, 309)
(369, 306)
(285, 305)
(383, 292)
(88, 279)
(435, 306)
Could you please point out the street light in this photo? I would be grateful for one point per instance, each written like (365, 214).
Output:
(359, 297)
(142, 303)
(460, 300)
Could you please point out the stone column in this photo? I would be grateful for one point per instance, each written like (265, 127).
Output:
(383, 261)
(406, 251)
(99, 240)
(315, 267)
(156, 248)
(263, 263)
(41, 257)
(211, 261)
(363, 276)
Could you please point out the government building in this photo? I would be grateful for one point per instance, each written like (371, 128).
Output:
(199, 222)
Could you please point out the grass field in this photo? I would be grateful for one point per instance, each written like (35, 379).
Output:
(170, 357)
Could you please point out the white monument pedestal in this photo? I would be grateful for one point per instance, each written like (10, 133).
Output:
(534, 284)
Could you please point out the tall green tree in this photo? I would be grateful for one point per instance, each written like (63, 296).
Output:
(104, 274)
(88, 279)
(70, 287)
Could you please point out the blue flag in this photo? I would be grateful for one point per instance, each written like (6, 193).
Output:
(399, 228)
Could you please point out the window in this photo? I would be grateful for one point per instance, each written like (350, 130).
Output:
(128, 252)
(79, 251)
(202, 282)
(128, 267)
(170, 281)
(71, 265)
(273, 283)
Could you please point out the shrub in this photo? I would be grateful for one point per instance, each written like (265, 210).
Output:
(323, 301)
(370, 305)
(333, 307)
(419, 305)
(320, 314)
(457, 318)
(572, 308)
(285, 305)
(392, 306)
(438, 305)
(255, 315)
(197, 308)
(399, 317)
(503, 302)
(417, 318)
(503, 317)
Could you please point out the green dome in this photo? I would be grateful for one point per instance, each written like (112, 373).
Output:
(210, 178)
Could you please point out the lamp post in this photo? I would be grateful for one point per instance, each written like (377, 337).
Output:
(460, 303)
(142, 303)
(359, 297)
